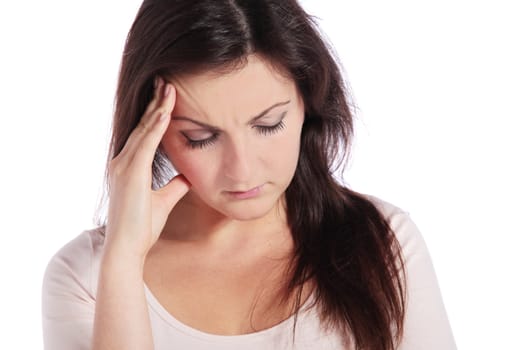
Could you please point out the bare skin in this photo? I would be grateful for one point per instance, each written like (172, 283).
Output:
(136, 217)
(215, 262)
(220, 263)
(220, 291)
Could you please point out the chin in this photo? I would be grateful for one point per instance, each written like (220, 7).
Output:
(247, 214)
(249, 209)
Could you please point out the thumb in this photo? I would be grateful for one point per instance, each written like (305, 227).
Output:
(174, 190)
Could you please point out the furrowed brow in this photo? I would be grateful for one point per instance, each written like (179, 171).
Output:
(214, 128)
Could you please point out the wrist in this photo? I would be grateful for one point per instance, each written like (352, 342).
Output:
(120, 257)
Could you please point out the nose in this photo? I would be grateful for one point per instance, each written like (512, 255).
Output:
(237, 162)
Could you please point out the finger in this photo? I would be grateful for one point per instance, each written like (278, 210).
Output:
(152, 140)
(157, 103)
(173, 191)
(146, 137)
(141, 126)
(148, 117)
(157, 95)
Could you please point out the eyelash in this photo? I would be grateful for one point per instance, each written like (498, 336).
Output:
(261, 129)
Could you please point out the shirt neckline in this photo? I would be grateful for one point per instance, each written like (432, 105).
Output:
(273, 331)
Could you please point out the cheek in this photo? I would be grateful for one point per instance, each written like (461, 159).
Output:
(192, 164)
(194, 168)
(288, 147)
(282, 151)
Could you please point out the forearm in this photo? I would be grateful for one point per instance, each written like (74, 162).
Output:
(121, 313)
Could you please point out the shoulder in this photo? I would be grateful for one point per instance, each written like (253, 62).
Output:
(69, 292)
(426, 322)
(402, 225)
(73, 269)
(386, 208)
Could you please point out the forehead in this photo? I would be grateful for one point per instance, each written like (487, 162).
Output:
(240, 93)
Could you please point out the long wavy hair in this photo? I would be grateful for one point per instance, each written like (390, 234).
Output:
(342, 242)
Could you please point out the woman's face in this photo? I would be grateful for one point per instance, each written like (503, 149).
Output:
(236, 138)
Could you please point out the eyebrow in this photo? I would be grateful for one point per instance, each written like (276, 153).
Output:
(214, 128)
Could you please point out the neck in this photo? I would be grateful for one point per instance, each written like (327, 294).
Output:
(193, 221)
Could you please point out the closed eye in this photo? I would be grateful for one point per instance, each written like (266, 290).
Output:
(267, 130)
(201, 143)
(261, 129)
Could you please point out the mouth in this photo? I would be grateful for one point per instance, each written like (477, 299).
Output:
(245, 194)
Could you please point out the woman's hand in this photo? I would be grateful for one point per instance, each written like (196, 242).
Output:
(137, 214)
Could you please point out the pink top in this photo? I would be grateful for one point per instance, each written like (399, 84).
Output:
(70, 286)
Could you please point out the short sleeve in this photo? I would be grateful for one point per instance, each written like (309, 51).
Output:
(426, 323)
(68, 296)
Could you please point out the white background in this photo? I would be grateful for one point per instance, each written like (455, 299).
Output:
(440, 87)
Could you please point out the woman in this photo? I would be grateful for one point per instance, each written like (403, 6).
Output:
(254, 244)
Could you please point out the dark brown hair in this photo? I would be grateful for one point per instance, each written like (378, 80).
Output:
(342, 242)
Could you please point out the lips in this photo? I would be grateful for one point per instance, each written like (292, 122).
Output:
(246, 194)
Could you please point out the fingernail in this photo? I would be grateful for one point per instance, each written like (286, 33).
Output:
(163, 117)
(167, 90)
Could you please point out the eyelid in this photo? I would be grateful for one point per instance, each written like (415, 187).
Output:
(201, 143)
(212, 132)
(208, 141)
(273, 122)
(208, 134)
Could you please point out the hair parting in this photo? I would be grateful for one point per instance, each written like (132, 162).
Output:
(343, 244)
